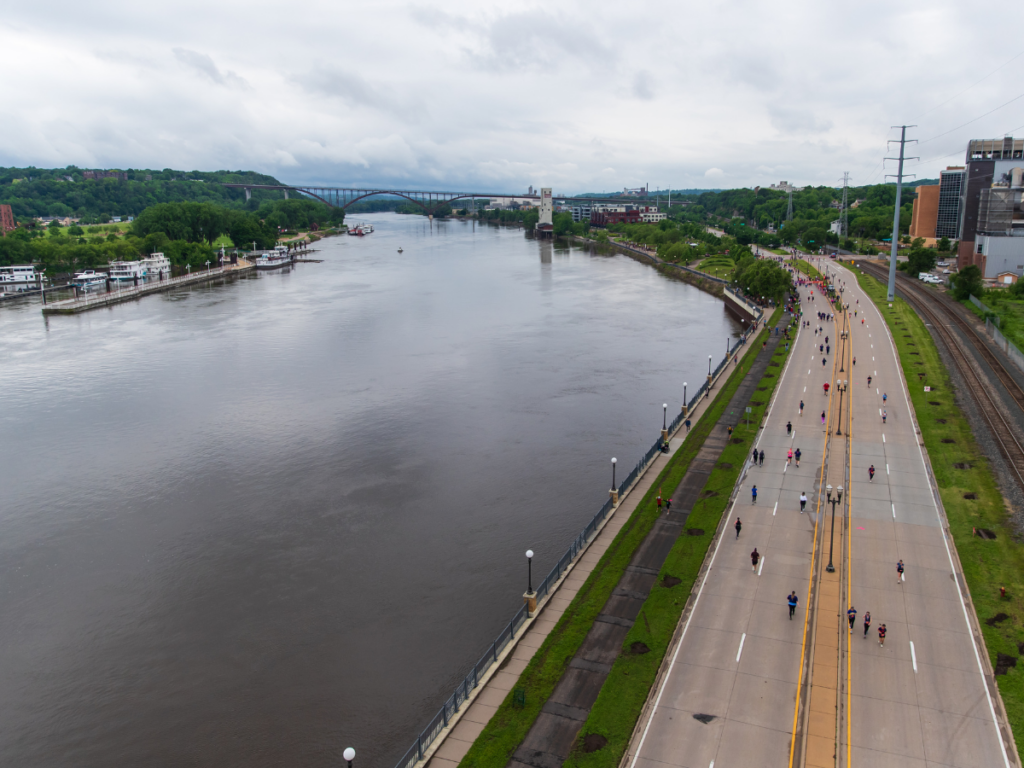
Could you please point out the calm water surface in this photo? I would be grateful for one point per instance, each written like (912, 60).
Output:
(254, 523)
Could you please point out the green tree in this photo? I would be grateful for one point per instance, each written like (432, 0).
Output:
(943, 244)
(966, 282)
(921, 260)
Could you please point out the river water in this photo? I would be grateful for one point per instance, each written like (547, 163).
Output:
(253, 523)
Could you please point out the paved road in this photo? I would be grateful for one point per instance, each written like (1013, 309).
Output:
(922, 699)
(738, 659)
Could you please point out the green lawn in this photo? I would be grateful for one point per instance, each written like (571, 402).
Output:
(224, 241)
(807, 269)
(509, 725)
(622, 697)
(988, 564)
(719, 266)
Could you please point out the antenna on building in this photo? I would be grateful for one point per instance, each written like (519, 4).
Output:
(896, 213)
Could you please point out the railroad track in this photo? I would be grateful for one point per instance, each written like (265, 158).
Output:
(992, 410)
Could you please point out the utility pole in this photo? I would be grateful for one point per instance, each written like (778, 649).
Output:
(789, 208)
(896, 213)
(843, 218)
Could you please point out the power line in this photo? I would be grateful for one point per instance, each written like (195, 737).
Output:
(933, 138)
(965, 90)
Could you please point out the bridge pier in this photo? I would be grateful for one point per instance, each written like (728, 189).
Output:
(248, 194)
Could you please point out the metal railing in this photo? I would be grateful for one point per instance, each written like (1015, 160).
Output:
(462, 691)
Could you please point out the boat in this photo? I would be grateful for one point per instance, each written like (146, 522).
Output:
(89, 277)
(359, 230)
(274, 259)
(126, 270)
(367, 228)
(156, 265)
(18, 278)
(399, 249)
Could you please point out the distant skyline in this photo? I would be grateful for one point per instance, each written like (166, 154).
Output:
(458, 95)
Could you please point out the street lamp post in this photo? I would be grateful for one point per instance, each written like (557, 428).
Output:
(614, 491)
(841, 386)
(828, 491)
(349, 754)
(686, 403)
(529, 571)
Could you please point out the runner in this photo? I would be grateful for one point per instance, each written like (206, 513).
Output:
(869, 381)
(797, 457)
(755, 556)
(801, 407)
(867, 622)
(826, 387)
(760, 459)
(884, 397)
(823, 418)
(755, 456)
(899, 572)
(803, 501)
(884, 414)
(738, 524)
(871, 473)
(881, 634)
(792, 600)
(789, 457)
(852, 616)
(789, 427)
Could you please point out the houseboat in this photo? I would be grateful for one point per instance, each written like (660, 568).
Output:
(127, 270)
(88, 278)
(18, 278)
(157, 266)
(274, 259)
(358, 230)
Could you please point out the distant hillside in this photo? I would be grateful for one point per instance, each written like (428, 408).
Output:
(96, 195)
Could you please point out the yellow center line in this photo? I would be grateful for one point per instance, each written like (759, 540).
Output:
(810, 578)
(849, 557)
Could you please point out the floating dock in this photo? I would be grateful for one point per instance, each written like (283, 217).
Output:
(85, 303)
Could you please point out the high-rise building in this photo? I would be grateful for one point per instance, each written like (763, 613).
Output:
(989, 163)
(926, 209)
(947, 220)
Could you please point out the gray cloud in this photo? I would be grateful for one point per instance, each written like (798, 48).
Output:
(203, 64)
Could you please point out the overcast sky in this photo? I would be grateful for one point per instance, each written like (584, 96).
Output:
(495, 96)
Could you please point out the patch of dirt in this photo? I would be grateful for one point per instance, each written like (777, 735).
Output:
(770, 375)
(940, 421)
(708, 494)
(593, 742)
(962, 465)
(915, 353)
(934, 402)
(669, 581)
(948, 440)
(996, 619)
(757, 402)
(724, 465)
(970, 495)
(736, 440)
(1003, 662)
(637, 649)
(774, 363)
(985, 533)
(694, 531)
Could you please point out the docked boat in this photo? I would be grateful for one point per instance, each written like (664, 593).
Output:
(126, 270)
(358, 230)
(274, 259)
(18, 278)
(157, 266)
(89, 277)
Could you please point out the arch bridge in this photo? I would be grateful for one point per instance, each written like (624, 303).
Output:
(343, 197)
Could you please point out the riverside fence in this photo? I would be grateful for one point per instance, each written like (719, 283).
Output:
(464, 689)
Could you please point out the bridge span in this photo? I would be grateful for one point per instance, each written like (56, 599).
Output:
(430, 201)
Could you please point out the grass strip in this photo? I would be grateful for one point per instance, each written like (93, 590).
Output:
(808, 270)
(618, 706)
(970, 496)
(509, 725)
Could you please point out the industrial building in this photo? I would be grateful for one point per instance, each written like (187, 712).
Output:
(989, 207)
(937, 207)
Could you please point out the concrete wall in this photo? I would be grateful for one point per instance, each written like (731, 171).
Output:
(1001, 254)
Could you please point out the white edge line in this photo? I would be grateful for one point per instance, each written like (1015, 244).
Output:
(760, 567)
(949, 554)
(776, 509)
(704, 581)
(743, 639)
(893, 511)
(913, 656)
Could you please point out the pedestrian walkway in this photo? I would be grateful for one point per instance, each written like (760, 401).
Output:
(451, 746)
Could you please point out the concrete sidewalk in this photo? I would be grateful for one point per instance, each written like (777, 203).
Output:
(451, 746)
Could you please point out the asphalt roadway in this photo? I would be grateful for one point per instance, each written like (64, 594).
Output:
(727, 695)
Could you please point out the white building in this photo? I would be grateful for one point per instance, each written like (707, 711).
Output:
(653, 218)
